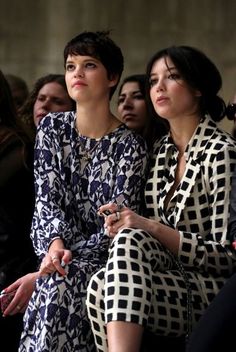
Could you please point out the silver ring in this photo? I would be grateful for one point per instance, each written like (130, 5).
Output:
(55, 258)
(18, 307)
(117, 215)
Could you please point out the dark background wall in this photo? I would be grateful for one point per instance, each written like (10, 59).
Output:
(33, 33)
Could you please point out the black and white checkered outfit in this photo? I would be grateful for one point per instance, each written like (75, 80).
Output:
(142, 282)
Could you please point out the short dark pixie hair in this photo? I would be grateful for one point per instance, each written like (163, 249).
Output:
(199, 72)
(99, 46)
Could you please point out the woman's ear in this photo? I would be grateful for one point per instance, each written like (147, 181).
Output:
(113, 80)
(198, 93)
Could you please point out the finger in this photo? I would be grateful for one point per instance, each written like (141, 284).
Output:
(23, 309)
(47, 270)
(110, 206)
(113, 218)
(67, 257)
(12, 287)
(11, 311)
(59, 268)
(117, 213)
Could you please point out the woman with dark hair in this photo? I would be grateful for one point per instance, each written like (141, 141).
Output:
(16, 210)
(19, 89)
(83, 159)
(134, 110)
(164, 269)
(49, 94)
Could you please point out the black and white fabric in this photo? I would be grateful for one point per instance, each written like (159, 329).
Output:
(141, 282)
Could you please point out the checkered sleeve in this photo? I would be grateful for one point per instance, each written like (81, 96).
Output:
(213, 251)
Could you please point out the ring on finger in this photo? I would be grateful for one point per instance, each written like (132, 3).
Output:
(117, 215)
(119, 207)
(18, 307)
(55, 258)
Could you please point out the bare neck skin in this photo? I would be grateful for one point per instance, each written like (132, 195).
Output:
(95, 121)
(182, 131)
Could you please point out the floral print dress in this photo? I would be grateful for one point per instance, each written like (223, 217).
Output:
(70, 187)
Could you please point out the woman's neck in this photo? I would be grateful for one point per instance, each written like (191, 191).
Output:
(95, 123)
(182, 131)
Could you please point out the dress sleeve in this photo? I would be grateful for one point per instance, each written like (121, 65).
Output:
(49, 216)
(232, 220)
(213, 252)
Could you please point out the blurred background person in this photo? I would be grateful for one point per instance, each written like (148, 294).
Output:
(49, 94)
(133, 109)
(19, 89)
(16, 210)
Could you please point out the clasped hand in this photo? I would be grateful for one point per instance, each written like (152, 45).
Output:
(55, 260)
(118, 217)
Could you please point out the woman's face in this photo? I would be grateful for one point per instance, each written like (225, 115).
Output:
(87, 79)
(52, 97)
(171, 96)
(132, 109)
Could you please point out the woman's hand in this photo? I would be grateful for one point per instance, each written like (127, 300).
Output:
(121, 217)
(55, 261)
(23, 288)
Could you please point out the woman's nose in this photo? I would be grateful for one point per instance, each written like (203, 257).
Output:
(128, 103)
(46, 104)
(79, 72)
(160, 85)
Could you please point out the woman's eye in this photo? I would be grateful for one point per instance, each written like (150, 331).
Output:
(69, 67)
(90, 65)
(139, 97)
(153, 81)
(120, 100)
(174, 76)
(59, 101)
(40, 98)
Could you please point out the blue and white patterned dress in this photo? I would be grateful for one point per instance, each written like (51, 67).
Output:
(69, 191)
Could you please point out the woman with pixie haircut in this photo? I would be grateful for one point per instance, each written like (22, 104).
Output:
(164, 269)
(83, 159)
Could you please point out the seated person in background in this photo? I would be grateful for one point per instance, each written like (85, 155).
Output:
(135, 111)
(49, 94)
(163, 270)
(83, 159)
(16, 210)
(216, 329)
(19, 90)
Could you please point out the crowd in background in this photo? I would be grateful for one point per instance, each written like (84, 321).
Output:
(88, 259)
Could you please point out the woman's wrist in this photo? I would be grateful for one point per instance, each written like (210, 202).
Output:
(56, 244)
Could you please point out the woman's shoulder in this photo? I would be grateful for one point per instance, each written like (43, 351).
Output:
(222, 138)
(56, 125)
(125, 135)
(10, 139)
(57, 120)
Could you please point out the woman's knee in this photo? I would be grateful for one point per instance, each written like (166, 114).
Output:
(135, 236)
(95, 291)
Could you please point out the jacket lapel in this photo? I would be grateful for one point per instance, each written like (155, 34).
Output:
(195, 153)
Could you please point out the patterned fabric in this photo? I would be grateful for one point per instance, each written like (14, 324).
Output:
(69, 191)
(142, 282)
(199, 208)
